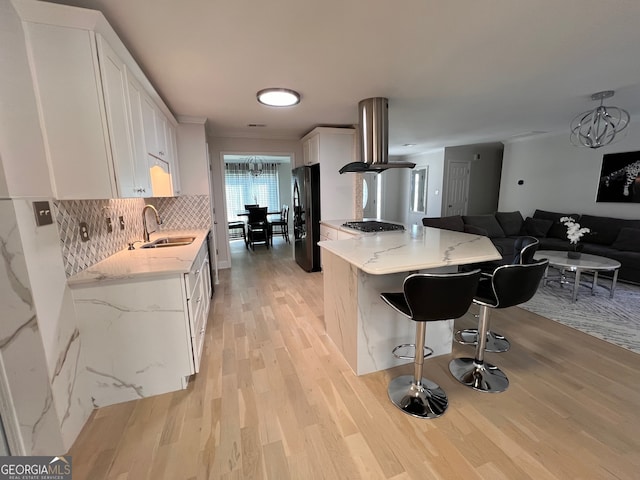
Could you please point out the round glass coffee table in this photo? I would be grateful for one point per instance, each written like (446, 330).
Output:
(587, 263)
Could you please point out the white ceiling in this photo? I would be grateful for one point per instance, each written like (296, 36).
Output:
(456, 72)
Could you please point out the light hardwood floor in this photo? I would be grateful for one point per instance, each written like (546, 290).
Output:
(274, 399)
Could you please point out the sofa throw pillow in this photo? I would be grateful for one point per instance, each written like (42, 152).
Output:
(604, 230)
(557, 230)
(511, 222)
(536, 227)
(628, 240)
(488, 222)
(454, 222)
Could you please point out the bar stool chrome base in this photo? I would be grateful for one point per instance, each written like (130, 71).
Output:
(427, 400)
(480, 376)
(496, 343)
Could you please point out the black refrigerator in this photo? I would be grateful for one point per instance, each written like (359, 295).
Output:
(306, 216)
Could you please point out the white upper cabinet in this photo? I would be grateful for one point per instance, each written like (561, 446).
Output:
(311, 148)
(332, 148)
(117, 100)
(142, 183)
(160, 141)
(92, 99)
(156, 129)
(172, 148)
(69, 97)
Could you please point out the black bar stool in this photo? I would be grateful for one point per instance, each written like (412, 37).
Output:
(525, 248)
(508, 286)
(427, 297)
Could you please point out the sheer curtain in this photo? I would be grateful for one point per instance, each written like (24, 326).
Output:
(242, 188)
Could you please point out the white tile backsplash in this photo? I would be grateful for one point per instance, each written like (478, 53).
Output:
(177, 213)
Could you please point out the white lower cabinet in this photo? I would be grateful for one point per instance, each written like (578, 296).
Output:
(143, 337)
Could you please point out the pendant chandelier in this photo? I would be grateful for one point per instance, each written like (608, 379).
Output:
(600, 126)
(254, 165)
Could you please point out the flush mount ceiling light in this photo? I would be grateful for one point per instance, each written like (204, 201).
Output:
(278, 97)
(600, 126)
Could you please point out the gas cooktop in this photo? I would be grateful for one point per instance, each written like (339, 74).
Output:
(373, 226)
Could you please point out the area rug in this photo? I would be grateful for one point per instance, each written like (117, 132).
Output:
(615, 320)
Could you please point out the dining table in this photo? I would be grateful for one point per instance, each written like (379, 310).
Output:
(245, 213)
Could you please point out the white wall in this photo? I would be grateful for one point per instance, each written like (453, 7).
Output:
(393, 199)
(560, 177)
(484, 178)
(434, 162)
(221, 145)
(192, 155)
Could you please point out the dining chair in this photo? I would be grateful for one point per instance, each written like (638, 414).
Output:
(258, 227)
(282, 224)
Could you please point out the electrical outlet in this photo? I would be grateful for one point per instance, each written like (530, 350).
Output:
(84, 232)
(109, 225)
(42, 213)
(121, 220)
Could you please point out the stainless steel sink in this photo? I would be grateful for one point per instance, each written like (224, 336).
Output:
(169, 242)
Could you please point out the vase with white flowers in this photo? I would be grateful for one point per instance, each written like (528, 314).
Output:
(574, 234)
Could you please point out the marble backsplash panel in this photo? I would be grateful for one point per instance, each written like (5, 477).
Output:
(177, 213)
(26, 397)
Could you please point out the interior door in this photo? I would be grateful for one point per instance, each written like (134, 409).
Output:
(457, 188)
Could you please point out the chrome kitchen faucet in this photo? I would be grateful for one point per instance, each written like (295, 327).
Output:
(145, 232)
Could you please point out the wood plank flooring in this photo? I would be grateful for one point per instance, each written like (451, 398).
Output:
(275, 400)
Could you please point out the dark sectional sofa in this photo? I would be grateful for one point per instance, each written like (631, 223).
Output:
(609, 237)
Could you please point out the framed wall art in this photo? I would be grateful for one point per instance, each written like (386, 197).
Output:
(620, 178)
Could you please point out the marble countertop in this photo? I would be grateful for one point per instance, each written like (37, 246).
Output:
(144, 262)
(416, 248)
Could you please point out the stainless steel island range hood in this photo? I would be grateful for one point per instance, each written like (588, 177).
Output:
(373, 116)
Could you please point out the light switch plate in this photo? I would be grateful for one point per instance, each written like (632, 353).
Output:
(121, 220)
(109, 225)
(42, 213)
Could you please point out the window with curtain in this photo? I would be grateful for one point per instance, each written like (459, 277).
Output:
(242, 188)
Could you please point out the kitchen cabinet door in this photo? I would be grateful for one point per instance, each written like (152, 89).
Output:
(172, 158)
(311, 150)
(161, 147)
(156, 128)
(65, 70)
(114, 87)
(140, 156)
(149, 124)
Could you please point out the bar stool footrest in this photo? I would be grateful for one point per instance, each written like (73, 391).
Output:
(496, 343)
(427, 351)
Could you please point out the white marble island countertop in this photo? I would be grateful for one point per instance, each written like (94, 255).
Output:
(417, 248)
(144, 262)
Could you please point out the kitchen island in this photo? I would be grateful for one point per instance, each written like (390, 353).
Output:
(357, 270)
